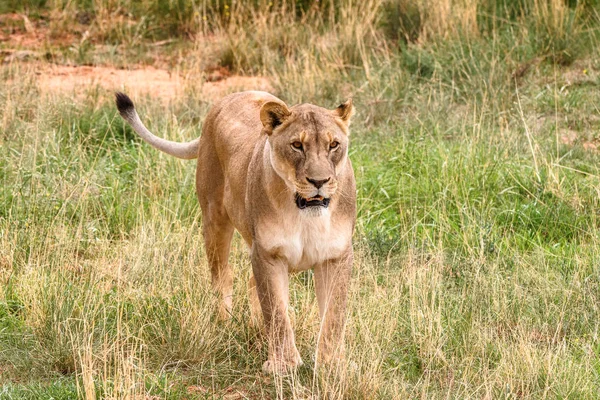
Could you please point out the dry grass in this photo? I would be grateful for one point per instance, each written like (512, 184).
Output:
(476, 272)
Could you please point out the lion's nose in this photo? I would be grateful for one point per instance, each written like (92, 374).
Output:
(318, 183)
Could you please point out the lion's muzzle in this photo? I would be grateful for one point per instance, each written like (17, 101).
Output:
(317, 201)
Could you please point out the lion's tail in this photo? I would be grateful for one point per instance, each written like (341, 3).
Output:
(187, 151)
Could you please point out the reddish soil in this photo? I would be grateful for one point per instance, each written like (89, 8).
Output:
(22, 40)
(146, 80)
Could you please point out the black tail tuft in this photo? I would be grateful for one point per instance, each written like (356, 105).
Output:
(124, 103)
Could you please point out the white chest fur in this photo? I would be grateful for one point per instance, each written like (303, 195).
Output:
(305, 240)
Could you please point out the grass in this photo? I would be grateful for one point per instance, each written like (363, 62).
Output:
(475, 153)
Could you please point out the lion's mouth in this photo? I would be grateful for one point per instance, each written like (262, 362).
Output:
(317, 201)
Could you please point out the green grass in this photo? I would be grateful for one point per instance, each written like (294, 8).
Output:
(477, 249)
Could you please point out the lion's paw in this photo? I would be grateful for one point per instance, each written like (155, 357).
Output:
(282, 367)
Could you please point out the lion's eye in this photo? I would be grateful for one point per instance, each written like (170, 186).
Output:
(297, 145)
(333, 145)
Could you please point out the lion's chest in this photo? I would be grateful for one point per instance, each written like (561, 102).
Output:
(308, 240)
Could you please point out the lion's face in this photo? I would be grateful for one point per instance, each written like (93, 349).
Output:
(309, 147)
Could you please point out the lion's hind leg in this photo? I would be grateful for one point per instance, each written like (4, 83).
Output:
(218, 232)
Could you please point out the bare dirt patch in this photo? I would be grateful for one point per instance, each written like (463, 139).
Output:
(569, 137)
(581, 72)
(22, 41)
(18, 32)
(156, 82)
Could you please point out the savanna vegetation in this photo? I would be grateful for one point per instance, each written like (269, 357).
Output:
(475, 147)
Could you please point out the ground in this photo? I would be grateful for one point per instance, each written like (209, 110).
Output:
(476, 158)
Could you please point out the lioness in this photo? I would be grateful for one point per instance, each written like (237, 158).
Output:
(280, 176)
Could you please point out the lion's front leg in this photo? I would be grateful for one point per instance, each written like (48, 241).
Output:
(255, 309)
(272, 284)
(332, 279)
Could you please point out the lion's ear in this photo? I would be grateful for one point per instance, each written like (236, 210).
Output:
(273, 114)
(345, 111)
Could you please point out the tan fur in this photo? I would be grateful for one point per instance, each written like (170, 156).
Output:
(247, 175)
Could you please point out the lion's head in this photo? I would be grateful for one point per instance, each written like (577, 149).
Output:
(309, 148)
